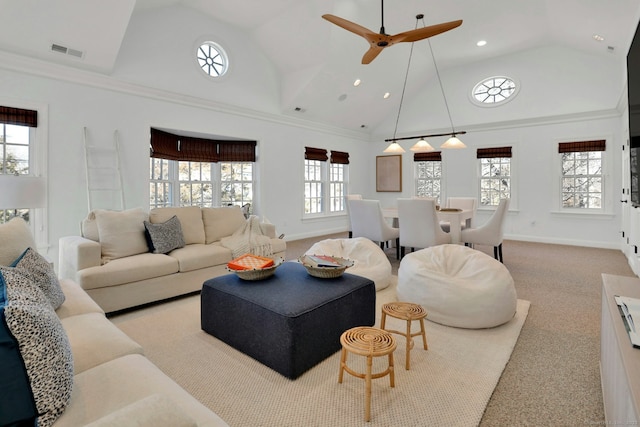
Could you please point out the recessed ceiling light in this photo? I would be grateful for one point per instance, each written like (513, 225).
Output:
(357, 82)
(598, 37)
(386, 95)
(481, 43)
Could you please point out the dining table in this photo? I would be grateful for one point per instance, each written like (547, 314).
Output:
(453, 216)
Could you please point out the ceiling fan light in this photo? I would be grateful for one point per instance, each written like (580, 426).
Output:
(394, 147)
(421, 146)
(453, 143)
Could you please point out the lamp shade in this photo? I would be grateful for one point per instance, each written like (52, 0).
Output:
(453, 143)
(421, 146)
(394, 147)
(22, 192)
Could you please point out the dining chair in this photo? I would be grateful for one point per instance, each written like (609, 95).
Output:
(351, 197)
(490, 233)
(463, 203)
(368, 221)
(419, 225)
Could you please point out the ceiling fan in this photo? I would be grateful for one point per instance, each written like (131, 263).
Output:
(379, 41)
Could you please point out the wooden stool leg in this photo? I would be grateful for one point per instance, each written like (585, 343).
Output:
(383, 320)
(343, 362)
(424, 335)
(367, 403)
(407, 360)
(392, 375)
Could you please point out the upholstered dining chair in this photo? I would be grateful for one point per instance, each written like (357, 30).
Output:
(419, 225)
(490, 233)
(461, 203)
(368, 221)
(351, 197)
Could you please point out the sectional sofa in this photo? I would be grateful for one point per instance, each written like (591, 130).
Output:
(65, 364)
(129, 258)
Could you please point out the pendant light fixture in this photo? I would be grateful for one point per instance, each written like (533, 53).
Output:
(422, 145)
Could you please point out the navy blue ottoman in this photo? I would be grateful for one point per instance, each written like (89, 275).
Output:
(290, 321)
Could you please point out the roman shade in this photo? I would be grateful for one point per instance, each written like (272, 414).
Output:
(311, 153)
(340, 157)
(166, 145)
(432, 156)
(581, 146)
(18, 116)
(492, 153)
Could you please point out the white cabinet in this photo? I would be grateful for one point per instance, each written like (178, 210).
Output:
(619, 360)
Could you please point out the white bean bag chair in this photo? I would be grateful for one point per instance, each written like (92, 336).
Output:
(458, 286)
(368, 259)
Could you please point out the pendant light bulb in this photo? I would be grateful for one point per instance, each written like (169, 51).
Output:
(394, 147)
(422, 146)
(453, 143)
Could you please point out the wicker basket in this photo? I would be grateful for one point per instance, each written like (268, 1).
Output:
(326, 272)
(258, 273)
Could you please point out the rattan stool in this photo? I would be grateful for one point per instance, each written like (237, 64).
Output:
(368, 342)
(409, 312)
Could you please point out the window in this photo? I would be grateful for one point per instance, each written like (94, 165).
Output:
(17, 152)
(582, 178)
(188, 171)
(325, 185)
(428, 174)
(493, 91)
(495, 175)
(212, 59)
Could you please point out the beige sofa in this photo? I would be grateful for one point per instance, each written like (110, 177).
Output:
(112, 262)
(101, 376)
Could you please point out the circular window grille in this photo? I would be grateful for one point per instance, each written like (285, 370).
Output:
(212, 59)
(494, 90)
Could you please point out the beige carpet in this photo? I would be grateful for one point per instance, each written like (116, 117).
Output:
(450, 384)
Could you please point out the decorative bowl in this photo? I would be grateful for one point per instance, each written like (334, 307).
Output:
(257, 273)
(325, 272)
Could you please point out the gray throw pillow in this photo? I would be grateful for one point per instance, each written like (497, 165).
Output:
(164, 237)
(41, 273)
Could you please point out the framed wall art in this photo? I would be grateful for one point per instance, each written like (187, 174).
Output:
(389, 173)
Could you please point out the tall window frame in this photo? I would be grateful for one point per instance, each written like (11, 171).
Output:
(428, 175)
(326, 181)
(495, 175)
(582, 176)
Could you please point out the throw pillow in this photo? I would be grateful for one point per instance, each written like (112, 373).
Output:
(121, 233)
(15, 237)
(164, 237)
(41, 273)
(190, 217)
(35, 356)
(222, 222)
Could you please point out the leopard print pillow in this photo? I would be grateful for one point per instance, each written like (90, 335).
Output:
(41, 273)
(43, 345)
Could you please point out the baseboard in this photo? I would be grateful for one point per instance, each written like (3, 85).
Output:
(560, 241)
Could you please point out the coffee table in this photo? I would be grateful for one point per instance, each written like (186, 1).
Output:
(290, 321)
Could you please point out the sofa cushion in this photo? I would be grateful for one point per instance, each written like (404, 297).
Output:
(34, 347)
(155, 410)
(221, 222)
(129, 269)
(165, 236)
(16, 237)
(190, 219)
(95, 340)
(194, 257)
(121, 233)
(77, 301)
(89, 227)
(113, 385)
(41, 273)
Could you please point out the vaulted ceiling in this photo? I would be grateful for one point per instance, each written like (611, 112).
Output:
(316, 62)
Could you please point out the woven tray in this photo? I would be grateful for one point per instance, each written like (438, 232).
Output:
(326, 272)
(257, 273)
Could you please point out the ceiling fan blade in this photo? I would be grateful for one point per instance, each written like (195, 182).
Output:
(371, 54)
(350, 26)
(426, 32)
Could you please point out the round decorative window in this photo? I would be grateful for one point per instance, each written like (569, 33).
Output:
(494, 90)
(212, 59)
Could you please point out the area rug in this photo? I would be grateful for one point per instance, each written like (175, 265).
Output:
(449, 384)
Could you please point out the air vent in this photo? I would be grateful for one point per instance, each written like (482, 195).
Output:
(66, 51)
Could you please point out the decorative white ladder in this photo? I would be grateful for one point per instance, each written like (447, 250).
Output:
(105, 189)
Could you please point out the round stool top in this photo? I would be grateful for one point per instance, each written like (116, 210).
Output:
(367, 341)
(405, 310)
